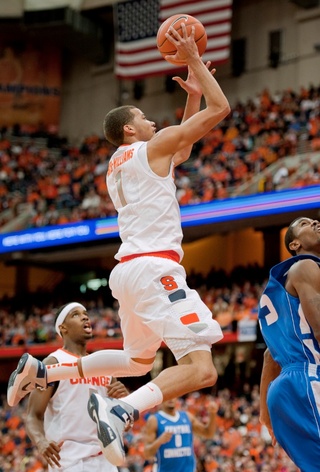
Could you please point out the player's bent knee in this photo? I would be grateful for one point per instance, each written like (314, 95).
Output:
(208, 377)
(137, 368)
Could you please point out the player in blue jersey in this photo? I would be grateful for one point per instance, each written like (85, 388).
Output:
(289, 317)
(169, 437)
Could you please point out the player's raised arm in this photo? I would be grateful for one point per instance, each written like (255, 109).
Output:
(175, 138)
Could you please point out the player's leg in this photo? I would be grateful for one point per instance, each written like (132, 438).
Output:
(293, 407)
(139, 342)
(32, 373)
(176, 314)
(164, 307)
(112, 416)
(29, 374)
(195, 371)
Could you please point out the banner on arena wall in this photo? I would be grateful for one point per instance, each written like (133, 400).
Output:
(30, 85)
(218, 211)
(137, 23)
(247, 330)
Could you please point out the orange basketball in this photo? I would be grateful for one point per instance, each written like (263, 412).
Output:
(166, 48)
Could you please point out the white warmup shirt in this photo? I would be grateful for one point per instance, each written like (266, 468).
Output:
(67, 419)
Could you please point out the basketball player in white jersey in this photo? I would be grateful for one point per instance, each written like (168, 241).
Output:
(57, 422)
(149, 282)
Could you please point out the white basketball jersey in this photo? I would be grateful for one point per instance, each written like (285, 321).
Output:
(66, 417)
(148, 212)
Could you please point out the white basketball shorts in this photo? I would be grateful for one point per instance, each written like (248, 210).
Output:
(155, 305)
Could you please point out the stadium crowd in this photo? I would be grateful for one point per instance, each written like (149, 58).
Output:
(239, 443)
(239, 440)
(35, 326)
(231, 297)
(55, 182)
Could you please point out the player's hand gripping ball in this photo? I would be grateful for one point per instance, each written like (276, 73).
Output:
(166, 48)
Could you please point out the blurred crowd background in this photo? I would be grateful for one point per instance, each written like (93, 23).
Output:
(47, 181)
(44, 180)
(239, 443)
(231, 298)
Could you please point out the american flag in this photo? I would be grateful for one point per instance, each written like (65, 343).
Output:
(137, 23)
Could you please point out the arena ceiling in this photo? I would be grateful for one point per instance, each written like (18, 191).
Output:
(16, 8)
(80, 27)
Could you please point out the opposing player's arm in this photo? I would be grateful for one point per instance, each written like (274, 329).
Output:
(151, 441)
(303, 281)
(205, 430)
(270, 371)
(37, 405)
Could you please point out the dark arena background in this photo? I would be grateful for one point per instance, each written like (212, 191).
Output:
(63, 65)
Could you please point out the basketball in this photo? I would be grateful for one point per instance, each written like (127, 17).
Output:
(167, 48)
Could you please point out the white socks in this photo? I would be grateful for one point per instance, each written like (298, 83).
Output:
(146, 397)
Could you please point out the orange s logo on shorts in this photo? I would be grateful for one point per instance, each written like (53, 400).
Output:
(168, 282)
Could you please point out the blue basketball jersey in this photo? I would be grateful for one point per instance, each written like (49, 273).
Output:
(283, 324)
(177, 455)
(294, 396)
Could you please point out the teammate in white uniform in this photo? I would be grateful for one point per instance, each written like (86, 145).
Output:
(155, 302)
(56, 421)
